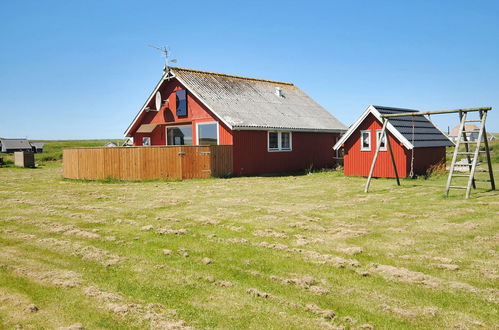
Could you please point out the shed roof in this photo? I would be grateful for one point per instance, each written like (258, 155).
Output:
(9, 144)
(426, 134)
(244, 103)
(37, 145)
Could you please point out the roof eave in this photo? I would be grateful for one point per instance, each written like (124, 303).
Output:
(290, 129)
(127, 132)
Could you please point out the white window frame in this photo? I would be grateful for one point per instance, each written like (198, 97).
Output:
(279, 141)
(378, 134)
(207, 123)
(146, 138)
(362, 148)
(174, 126)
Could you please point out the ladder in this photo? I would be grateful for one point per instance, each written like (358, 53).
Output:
(471, 155)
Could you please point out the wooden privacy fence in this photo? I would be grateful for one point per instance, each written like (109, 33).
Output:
(143, 163)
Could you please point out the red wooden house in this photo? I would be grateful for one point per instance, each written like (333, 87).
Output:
(416, 143)
(273, 126)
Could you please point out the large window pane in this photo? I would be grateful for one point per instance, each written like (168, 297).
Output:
(181, 103)
(382, 146)
(208, 134)
(181, 135)
(365, 140)
(285, 141)
(273, 140)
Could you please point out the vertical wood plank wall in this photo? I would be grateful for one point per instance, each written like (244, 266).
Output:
(143, 163)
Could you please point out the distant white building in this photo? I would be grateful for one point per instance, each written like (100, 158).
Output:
(110, 145)
(473, 136)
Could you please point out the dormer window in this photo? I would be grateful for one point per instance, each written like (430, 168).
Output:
(181, 96)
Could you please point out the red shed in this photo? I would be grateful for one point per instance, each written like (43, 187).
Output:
(273, 126)
(414, 140)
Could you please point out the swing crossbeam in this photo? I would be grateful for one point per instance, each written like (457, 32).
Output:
(462, 115)
(436, 112)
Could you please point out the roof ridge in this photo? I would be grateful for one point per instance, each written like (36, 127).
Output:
(233, 76)
(13, 139)
(394, 108)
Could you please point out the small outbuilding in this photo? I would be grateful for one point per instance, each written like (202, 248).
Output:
(13, 145)
(111, 144)
(472, 136)
(417, 144)
(37, 147)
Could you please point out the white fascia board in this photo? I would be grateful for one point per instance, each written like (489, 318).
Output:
(392, 129)
(352, 128)
(377, 115)
(127, 132)
(444, 134)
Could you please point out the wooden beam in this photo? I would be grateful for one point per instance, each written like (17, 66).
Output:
(393, 159)
(378, 144)
(419, 113)
(489, 163)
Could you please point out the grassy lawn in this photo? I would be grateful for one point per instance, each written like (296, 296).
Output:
(295, 252)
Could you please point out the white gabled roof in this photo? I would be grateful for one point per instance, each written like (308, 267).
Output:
(412, 132)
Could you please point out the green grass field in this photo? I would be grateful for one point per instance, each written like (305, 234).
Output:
(291, 252)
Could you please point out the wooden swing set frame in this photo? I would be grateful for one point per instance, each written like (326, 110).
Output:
(462, 116)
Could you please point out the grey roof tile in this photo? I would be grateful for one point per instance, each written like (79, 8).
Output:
(11, 144)
(426, 134)
(246, 103)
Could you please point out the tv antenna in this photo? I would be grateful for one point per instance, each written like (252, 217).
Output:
(166, 54)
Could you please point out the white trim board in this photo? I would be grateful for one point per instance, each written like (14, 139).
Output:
(158, 85)
(372, 109)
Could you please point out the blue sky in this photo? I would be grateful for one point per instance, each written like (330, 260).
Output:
(82, 69)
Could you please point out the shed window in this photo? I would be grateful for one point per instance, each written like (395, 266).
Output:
(181, 97)
(279, 141)
(146, 141)
(207, 133)
(365, 140)
(179, 135)
(382, 146)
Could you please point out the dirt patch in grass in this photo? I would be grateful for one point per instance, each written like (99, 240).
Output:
(404, 275)
(61, 278)
(154, 314)
(86, 252)
(411, 313)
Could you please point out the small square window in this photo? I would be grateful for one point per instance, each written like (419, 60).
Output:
(146, 141)
(365, 140)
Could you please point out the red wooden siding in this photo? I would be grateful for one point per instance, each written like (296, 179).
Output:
(250, 153)
(310, 150)
(196, 113)
(425, 158)
(357, 162)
